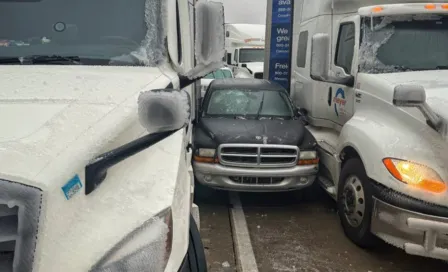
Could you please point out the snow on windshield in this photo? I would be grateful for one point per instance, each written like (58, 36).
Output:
(101, 32)
(152, 51)
(249, 102)
(394, 43)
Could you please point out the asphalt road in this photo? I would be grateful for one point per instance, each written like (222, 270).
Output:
(294, 231)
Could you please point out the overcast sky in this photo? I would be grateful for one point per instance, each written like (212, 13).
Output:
(244, 11)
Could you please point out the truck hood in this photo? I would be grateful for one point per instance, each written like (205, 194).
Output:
(47, 110)
(434, 82)
(224, 130)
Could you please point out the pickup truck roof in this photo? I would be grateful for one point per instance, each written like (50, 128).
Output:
(246, 83)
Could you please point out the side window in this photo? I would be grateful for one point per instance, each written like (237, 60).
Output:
(345, 46)
(301, 49)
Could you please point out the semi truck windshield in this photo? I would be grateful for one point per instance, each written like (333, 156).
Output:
(251, 55)
(404, 43)
(97, 32)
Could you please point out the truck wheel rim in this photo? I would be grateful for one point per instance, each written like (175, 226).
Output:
(353, 201)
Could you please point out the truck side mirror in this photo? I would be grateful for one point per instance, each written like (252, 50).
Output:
(229, 58)
(320, 51)
(164, 109)
(209, 38)
(162, 112)
(411, 95)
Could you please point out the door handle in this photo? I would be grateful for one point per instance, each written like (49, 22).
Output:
(330, 94)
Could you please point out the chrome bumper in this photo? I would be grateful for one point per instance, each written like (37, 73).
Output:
(416, 233)
(218, 176)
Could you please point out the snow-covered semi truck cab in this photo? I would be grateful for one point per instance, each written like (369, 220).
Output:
(95, 107)
(245, 49)
(371, 76)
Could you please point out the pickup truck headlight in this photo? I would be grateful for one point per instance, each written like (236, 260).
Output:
(145, 249)
(414, 174)
(308, 158)
(206, 152)
(205, 155)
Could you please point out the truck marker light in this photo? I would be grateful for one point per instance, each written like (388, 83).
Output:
(377, 9)
(430, 6)
(417, 175)
(445, 6)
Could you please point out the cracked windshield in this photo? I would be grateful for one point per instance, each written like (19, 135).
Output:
(223, 136)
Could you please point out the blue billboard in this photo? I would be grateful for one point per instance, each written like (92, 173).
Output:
(281, 40)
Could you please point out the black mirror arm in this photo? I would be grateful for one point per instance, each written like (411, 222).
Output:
(96, 171)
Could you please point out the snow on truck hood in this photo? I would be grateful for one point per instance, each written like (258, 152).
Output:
(434, 82)
(54, 120)
(48, 110)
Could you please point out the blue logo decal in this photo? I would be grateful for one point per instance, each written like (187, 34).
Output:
(72, 187)
(339, 100)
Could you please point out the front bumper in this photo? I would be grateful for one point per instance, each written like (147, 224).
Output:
(417, 227)
(222, 177)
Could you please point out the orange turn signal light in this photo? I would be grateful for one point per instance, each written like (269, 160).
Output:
(416, 175)
(308, 162)
(205, 159)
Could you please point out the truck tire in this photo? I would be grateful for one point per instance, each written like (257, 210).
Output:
(196, 261)
(355, 204)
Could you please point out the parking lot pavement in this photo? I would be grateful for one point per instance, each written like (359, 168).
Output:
(297, 232)
(216, 231)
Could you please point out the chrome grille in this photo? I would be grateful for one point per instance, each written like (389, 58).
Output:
(19, 219)
(258, 155)
(257, 180)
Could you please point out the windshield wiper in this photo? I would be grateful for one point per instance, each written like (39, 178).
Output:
(48, 59)
(261, 106)
(10, 60)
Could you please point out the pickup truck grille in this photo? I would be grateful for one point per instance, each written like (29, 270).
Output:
(258, 155)
(257, 180)
(19, 218)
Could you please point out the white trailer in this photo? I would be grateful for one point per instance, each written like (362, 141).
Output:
(83, 186)
(371, 78)
(244, 44)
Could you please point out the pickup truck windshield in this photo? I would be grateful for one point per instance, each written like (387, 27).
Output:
(249, 103)
(403, 43)
(219, 74)
(251, 55)
(92, 32)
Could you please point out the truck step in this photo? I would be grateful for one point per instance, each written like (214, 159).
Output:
(328, 186)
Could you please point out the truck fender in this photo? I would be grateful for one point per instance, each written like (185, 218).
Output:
(373, 136)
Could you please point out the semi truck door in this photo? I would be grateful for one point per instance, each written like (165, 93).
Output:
(301, 84)
(340, 98)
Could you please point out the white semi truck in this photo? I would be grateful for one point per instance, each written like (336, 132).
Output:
(244, 45)
(95, 170)
(371, 78)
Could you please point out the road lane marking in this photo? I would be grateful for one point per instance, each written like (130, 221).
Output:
(244, 253)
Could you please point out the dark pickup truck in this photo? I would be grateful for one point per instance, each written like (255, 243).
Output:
(248, 136)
